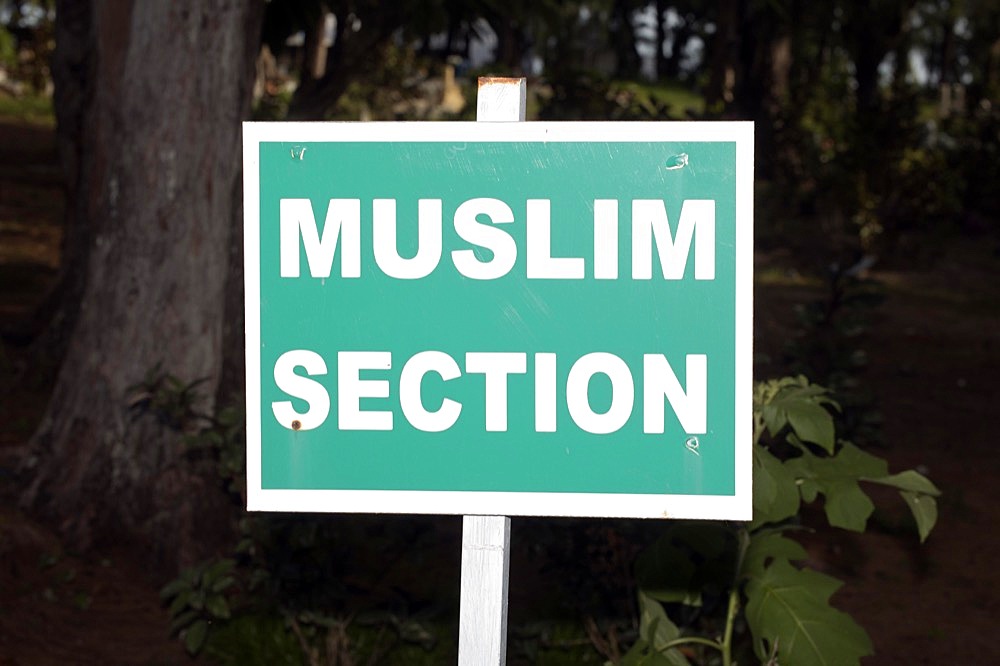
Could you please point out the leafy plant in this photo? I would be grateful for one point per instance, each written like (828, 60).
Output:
(171, 400)
(220, 443)
(828, 346)
(216, 443)
(702, 575)
(198, 597)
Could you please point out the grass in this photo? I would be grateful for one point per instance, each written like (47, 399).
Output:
(656, 100)
(31, 108)
(266, 638)
(680, 98)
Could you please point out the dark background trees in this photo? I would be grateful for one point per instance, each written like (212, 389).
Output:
(877, 129)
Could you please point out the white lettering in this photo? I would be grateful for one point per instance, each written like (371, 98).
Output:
(410, 381)
(428, 239)
(606, 239)
(496, 366)
(541, 263)
(659, 381)
(494, 239)
(296, 220)
(660, 386)
(545, 392)
(649, 224)
(297, 386)
(578, 390)
(351, 388)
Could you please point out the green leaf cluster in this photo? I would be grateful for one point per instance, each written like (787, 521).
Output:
(196, 598)
(786, 608)
(658, 638)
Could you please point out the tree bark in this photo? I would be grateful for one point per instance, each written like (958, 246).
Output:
(354, 54)
(623, 40)
(724, 51)
(73, 67)
(157, 179)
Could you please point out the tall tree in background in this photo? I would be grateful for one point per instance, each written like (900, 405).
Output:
(150, 132)
(362, 29)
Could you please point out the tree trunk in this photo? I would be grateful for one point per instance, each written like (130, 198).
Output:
(72, 73)
(660, 30)
(158, 182)
(724, 51)
(623, 40)
(670, 67)
(353, 55)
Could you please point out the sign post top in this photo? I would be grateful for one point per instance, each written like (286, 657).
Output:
(501, 98)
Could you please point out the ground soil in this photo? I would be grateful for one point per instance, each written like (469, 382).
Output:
(934, 350)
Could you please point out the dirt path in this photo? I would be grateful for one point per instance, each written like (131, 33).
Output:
(934, 356)
(58, 608)
(935, 360)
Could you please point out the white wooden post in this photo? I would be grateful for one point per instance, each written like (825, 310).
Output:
(500, 98)
(482, 628)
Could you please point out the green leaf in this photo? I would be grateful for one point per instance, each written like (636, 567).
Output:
(182, 620)
(657, 630)
(223, 583)
(791, 607)
(918, 492)
(766, 547)
(774, 418)
(847, 506)
(837, 478)
(688, 559)
(229, 416)
(808, 489)
(924, 510)
(180, 602)
(664, 572)
(194, 637)
(909, 480)
(217, 606)
(173, 587)
(796, 402)
(221, 568)
(775, 495)
(811, 422)
(854, 462)
(641, 654)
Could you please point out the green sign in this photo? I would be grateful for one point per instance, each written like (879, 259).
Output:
(499, 318)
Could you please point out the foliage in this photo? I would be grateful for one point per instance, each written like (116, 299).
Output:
(699, 575)
(284, 581)
(214, 443)
(845, 139)
(829, 346)
(220, 444)
(8, 48)
(253, 639)
(197, 598)
(862, 171)
(586, 95)
(32, 109)
(171, 400)
(27, 40)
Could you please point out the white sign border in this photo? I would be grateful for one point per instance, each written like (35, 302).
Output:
(597, 505)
